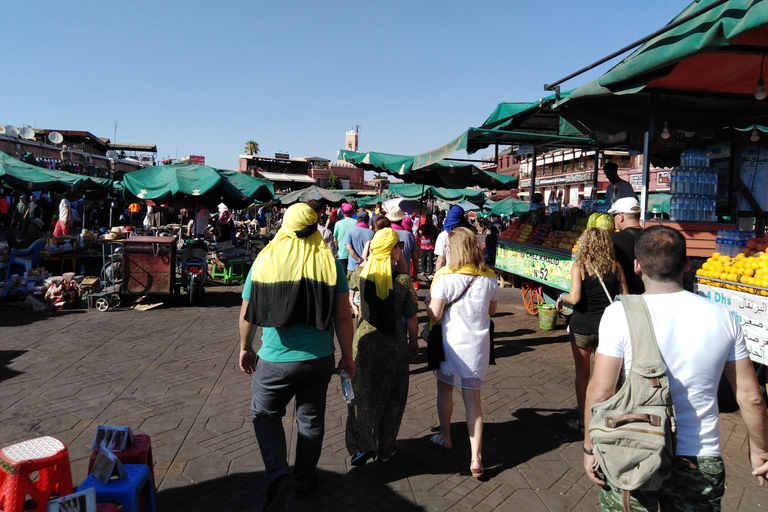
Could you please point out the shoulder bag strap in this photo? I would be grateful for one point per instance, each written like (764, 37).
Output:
(454, 301)
(610, 299)
(645, 348)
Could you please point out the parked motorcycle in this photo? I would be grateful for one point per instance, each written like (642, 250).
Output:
(193, 267)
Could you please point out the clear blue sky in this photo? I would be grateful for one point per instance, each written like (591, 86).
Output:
(200, 77)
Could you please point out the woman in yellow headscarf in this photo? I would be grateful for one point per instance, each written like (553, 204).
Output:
(463, 295)
(380, 350)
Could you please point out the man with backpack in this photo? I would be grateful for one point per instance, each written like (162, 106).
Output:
(699, 340)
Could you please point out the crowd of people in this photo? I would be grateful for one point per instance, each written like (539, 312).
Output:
(352, 273)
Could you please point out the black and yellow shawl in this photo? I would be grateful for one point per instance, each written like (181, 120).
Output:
(376, 282)
(294, 277)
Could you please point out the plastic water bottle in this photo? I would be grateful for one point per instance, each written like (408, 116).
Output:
(82, 269)
(346, 386)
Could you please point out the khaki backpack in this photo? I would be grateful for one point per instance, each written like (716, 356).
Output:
(634, 433)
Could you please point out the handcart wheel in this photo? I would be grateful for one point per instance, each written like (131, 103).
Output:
(531, 296)
(114, 300)
(102, 304)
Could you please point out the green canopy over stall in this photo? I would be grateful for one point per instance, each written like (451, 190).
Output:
(509, 206)
(23, 176)
(369, 200)
(198, 184)
(658, 203)
(702, 74)
(316, 193)
(415, 191)
(440, 174)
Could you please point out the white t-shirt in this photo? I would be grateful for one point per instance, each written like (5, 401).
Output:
(64, 207)
(696, 337)
(201, 222)
(441, 245)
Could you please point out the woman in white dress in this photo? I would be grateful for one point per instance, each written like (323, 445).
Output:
(463, 295)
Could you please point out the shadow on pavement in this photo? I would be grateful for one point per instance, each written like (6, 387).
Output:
(246, 492)
(6, 356)
(20, 317)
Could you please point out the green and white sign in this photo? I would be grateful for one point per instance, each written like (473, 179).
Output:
(536, 263)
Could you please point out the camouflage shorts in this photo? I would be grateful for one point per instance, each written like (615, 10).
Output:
(696, 484)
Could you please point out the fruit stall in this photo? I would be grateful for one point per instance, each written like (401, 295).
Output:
(740, 283)
(539, 249)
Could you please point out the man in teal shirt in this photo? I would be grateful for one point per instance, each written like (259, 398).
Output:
(340, 232)
(298, 293)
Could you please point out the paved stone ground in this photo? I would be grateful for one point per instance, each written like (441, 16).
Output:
(172, 373)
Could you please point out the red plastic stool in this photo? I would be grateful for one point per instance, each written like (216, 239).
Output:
(107, 507)
(46, 455)
(140, 452)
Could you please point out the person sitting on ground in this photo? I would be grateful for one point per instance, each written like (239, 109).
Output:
(35, 233)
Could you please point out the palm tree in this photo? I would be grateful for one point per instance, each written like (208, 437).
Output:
(251, 147)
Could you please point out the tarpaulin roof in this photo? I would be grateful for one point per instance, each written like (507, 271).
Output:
(324, 195)
(21, 175)
(416, 191)
(717, 55)
(509, 206)
(197, 183)
(441, 173)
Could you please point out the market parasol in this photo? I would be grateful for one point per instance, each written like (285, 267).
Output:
(314, 192)
(447, 174)
(509, 206)
(198, 184)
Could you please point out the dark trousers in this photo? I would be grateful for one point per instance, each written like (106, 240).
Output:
(273, 387)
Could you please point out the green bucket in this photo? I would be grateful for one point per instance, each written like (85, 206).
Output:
(547, 317)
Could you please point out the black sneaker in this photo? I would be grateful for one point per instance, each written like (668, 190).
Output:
(277, 492)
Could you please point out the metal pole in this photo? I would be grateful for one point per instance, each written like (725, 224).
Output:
(533, 176)
(646, 166)
(666, 28)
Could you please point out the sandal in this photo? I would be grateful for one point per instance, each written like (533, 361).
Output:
(477, 473)
(438, 440)
(360, 458)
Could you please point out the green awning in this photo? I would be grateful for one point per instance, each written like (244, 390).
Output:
(658, 203)
(23, 176)
(415, 191)
(197, 184)
(700, 75)
(445, 174)
(509, 206)
(324, 195)
(369, 200)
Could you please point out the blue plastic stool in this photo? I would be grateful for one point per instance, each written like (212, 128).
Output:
(127, 492)
(235, 271)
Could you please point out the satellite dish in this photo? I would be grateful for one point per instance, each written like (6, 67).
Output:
(12, 131)
(27, 133)
(112, 155)
(56, 137)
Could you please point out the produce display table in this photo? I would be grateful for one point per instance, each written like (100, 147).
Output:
(546, 271)
(750, 309)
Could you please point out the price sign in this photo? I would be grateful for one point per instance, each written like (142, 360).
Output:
(750, 310)
(534, 263)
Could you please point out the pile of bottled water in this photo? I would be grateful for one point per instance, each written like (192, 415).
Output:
(731, 241)
(694, 189)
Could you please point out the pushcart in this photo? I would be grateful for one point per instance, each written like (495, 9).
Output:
(542, 273)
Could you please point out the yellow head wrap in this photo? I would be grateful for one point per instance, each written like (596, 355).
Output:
(294, 277)
(379, 267)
